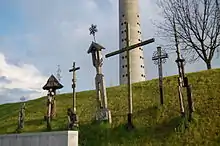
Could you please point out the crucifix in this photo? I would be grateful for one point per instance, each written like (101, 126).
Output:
(183, 82)
(103, 113)
(159, 57)
(72, 117)
(129, 47)
(74, 69)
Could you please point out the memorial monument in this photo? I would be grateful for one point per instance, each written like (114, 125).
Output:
(52, 85)
(103, 113)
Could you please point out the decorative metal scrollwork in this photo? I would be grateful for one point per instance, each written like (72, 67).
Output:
(157, 56)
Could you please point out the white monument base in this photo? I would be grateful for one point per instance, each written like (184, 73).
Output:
(58, 138)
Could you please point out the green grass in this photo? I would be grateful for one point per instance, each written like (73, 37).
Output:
(155, 125)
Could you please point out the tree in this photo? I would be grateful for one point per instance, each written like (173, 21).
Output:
(197, 26)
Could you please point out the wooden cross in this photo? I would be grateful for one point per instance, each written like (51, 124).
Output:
(183, 82)
(127, 49)
(74, 69)
(159, 58)
(21, 117)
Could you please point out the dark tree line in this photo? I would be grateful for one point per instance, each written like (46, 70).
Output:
(197, 25)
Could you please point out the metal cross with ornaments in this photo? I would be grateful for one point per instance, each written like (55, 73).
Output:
(159, 57)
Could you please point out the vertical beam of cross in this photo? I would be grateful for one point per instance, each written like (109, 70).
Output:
(159, 58)
(74, 69)
(160, 75)
(130, 106)
(127, 49)
(21, 115)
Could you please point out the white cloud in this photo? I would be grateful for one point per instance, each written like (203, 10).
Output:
(25, 77)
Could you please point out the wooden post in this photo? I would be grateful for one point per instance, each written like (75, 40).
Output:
(183, 82)
(49, 111)
(160, 76)
(130, 106)
(189, 99)
(21, 117)
(179, 62)
(127, 49)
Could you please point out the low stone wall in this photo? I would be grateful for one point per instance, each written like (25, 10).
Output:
(58, 138)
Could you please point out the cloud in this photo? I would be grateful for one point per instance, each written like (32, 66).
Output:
(14, 95)
(4, 80)
(19, 80)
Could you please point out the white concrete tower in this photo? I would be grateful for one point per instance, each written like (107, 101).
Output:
(129, 13)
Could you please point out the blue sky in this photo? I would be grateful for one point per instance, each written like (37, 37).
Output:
(37, 35)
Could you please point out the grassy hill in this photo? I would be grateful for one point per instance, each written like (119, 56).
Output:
(155, 125)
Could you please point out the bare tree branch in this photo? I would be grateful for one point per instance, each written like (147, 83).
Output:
(197, 24)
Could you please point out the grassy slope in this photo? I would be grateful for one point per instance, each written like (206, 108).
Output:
(153, 126)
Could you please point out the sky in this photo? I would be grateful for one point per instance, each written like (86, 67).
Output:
(38, 35)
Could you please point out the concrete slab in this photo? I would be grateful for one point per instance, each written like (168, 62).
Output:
(56, 138)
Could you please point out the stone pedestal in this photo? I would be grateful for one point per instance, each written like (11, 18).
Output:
(58, 138)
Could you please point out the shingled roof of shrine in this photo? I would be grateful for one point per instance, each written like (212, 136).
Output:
(52, 83)
(94, 47)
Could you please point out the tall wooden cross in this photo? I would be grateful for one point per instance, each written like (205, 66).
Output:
(74, 69)
(127, 49)
(159, 57)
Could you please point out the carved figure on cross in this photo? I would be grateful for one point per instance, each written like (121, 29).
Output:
(129, 47)
(51, 103)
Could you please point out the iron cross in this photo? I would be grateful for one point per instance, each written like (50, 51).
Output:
(127, 49)
(74, 69)
(159, 57)
(93, 29)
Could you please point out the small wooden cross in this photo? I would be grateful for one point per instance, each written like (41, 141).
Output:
(74, 69)
(127, 49)
(159, 58)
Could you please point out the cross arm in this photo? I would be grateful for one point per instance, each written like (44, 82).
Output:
(74, 69)
(130, 47)
(160, 57)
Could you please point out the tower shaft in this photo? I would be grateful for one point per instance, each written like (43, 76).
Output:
(129, 13)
